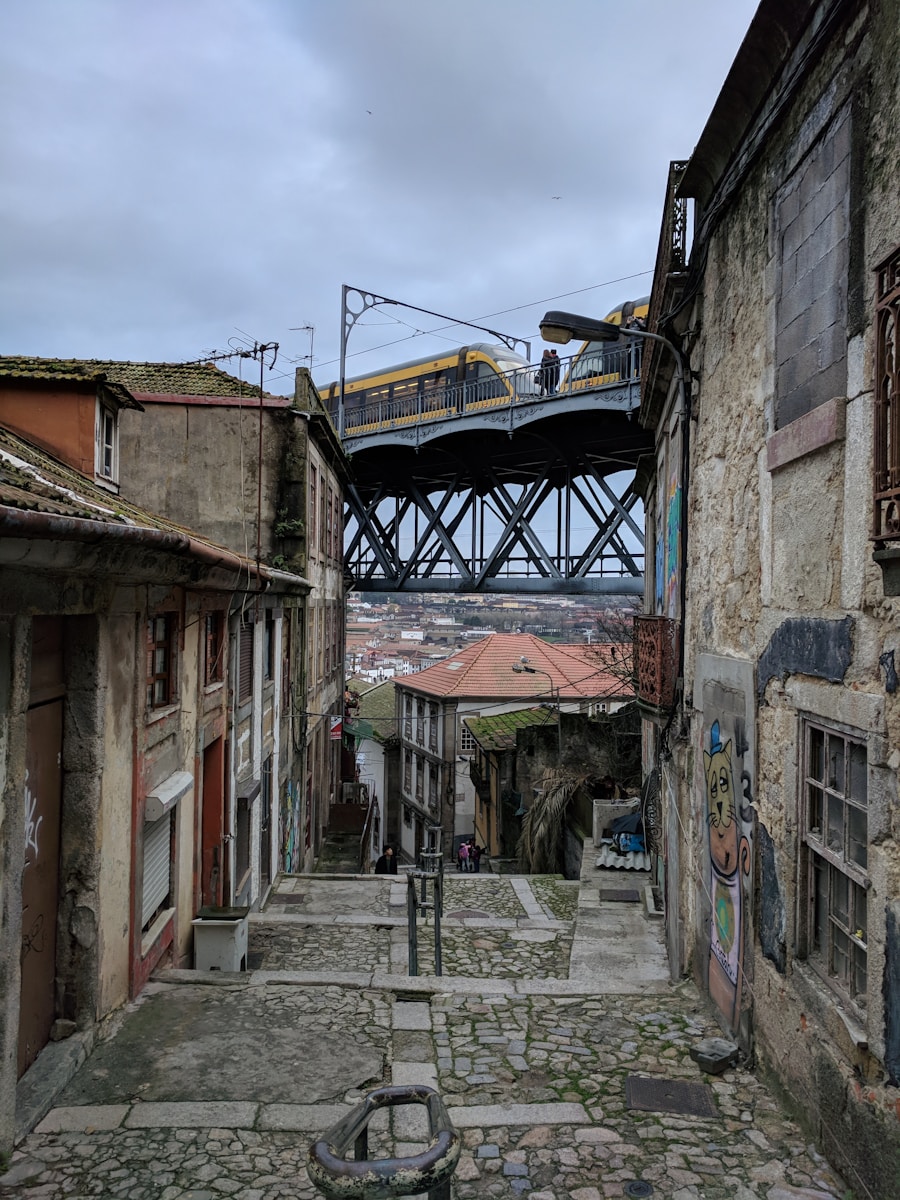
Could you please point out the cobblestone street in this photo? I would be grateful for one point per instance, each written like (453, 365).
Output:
(560, 1084)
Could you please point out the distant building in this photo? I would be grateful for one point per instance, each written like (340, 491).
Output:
(435, 743)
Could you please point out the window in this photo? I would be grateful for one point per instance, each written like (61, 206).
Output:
(329, 523)
(466, 741)
(432, 727)
(836, 845)
(887, 401)
(407, 771)
(157, 876)
(338, 528)
(161, 650)
(106, 439)
(313, 507)
(214, 626)
(245, 661)
(420, 722)
(269, 647)
(419, 769)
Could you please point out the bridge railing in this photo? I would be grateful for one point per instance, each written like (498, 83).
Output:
(595, 370)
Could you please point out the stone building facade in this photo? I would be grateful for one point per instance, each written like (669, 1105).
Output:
(115, 676)
(767, 658)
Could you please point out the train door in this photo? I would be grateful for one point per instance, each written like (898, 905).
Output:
(43, 811)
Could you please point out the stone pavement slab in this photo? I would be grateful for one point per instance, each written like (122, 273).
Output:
(210, 1087)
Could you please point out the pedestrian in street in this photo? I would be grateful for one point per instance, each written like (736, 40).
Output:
(475, 856)
(387, 864)
(463, 856)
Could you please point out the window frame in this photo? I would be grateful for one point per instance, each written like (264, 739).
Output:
(834, 887)
(467, 743)
(246, 655)
(168, 645)
(886, 465)
(214, 648)
(106, 415)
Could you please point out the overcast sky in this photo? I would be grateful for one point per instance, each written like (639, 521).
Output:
(181, 176)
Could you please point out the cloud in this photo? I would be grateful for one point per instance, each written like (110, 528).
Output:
(177, 171)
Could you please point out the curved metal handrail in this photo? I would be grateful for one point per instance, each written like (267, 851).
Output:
(382, 1178)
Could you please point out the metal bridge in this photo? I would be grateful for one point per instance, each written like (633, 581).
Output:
(491, 486)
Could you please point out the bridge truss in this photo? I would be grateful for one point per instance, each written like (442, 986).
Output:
(544, 503)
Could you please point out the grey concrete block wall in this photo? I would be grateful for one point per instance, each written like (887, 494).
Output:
(812, 223)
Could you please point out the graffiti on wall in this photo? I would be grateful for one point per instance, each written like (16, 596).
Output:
(727, 814)
(290, 828)
(673, 545)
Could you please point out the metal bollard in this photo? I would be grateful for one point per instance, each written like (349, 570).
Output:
(411, 930)
(361, 1178)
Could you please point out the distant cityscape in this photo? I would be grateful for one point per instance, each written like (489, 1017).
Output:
(389, 635)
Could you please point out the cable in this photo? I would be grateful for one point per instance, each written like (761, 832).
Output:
(502, 312)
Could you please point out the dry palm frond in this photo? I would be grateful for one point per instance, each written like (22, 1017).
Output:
(539, 848)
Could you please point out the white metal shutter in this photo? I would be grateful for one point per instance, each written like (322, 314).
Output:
(156, 865)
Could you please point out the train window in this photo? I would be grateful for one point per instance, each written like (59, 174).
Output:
(590, 363)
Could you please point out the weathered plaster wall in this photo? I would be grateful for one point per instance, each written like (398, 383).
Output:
(115, 825)
(204, 468)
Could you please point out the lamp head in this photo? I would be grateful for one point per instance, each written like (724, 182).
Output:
(557, 326)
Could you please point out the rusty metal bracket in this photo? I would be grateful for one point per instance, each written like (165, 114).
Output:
(361, 1178)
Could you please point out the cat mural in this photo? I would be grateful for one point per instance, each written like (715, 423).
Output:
(729, 853)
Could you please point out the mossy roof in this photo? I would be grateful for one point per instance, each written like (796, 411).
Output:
(149, 378)
(498, 732)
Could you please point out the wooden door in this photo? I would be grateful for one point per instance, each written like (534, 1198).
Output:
(40, 879)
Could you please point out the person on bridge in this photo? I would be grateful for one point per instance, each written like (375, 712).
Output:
(545, 372)
(554, 371)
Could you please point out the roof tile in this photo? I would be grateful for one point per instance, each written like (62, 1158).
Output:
(485, 670)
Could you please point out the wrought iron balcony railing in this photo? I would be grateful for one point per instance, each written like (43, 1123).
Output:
(656, 660)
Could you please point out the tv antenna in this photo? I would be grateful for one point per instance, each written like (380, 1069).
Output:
(311, 330)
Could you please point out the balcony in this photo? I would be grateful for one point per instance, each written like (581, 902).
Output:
(656, 660)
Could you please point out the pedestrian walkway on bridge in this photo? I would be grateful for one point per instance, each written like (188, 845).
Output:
(555, 1037)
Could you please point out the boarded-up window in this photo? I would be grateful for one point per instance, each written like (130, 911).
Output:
(812, 219)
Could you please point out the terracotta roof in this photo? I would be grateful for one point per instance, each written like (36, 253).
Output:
(499, 732)
(184, 379)
(485, 671)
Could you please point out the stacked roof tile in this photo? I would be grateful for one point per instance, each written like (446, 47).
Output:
(485, 670)
(184, 379)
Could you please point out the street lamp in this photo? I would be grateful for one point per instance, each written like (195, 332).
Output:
(523, 667)
(561, 327)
